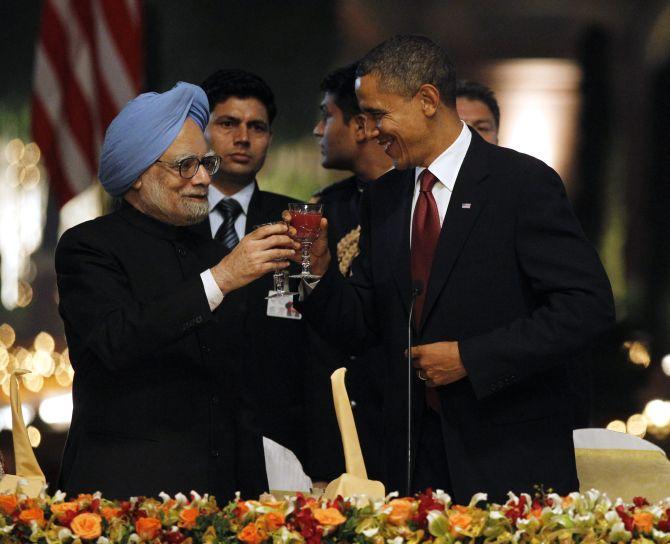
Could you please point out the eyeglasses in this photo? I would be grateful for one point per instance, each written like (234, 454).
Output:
(189, 166)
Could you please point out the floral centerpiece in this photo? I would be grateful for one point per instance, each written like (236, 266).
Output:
(427, 517)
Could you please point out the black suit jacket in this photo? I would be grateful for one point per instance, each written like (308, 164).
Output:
(267, 350)
(156, 407)
(516, 283)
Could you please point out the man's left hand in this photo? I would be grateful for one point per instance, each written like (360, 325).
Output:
(440, 363)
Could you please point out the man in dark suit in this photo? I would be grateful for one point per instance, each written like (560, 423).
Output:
(477, 106)
(155, 408)
(344, 146)
(268, 347)
(512, 292)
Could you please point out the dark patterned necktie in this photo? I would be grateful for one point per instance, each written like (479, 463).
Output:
(230, 209)
(425, 233)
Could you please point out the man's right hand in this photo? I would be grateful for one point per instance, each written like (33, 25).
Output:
(319, 253)
(254, 257)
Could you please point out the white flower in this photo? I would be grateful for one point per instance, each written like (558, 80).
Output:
(612, 517)
(102, 540)
(181, 499)
(59, 496)
(659, 535)
(64, 534)
(396, 540)
(195, 496)
(513, 499)
(495, 514)
(476, 498)
(443, 497)
(134, 538)
(392, 495)
(7, 529)
(164, 496)
(372, 531)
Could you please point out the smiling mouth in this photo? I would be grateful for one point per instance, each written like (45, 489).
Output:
(197, 196)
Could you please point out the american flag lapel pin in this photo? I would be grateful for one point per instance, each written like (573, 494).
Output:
(466, 205)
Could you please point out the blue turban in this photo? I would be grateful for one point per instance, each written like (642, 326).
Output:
(144, 129)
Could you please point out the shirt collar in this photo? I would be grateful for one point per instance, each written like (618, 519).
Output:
(446, 166)
(243, 196)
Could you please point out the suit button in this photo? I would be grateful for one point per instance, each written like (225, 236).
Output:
(215, 453)
(353, 404)
(215, 399)
(352, 358)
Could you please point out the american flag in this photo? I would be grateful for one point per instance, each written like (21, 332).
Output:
(88, 64)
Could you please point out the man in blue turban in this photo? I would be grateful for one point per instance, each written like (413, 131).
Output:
(155, 408)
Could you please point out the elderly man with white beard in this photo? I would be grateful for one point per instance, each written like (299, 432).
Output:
(155, 408)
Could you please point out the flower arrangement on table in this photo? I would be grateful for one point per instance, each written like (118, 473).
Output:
(428, 517)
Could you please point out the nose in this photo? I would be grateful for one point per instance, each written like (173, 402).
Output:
(318, 129)
(201, 177)
(242, 134)
(371, 128)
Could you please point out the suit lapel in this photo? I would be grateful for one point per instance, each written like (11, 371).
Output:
(399, 235)
(256, 213)
(466, 203)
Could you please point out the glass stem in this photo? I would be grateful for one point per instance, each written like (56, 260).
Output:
(305, 251)
(279, 282)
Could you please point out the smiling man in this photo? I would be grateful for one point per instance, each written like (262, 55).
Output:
(155, 408)
(507, 291)
(263, 336)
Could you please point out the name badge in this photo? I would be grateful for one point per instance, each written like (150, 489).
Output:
(282, 307)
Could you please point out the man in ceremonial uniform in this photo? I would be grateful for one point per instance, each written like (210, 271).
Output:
(264, 336)
(155, 407)
(344, 146)
(507, 291)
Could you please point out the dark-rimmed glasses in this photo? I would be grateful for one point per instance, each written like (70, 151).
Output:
(188, 167)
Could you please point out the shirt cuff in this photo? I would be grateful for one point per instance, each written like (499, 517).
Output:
(212, 290)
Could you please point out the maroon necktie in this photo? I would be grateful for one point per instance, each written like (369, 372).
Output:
(425, 233)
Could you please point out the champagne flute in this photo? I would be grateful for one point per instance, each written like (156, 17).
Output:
(306, 220)
(280, 277)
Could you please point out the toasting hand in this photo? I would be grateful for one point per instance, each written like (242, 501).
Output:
(256, 255)
(319, 252)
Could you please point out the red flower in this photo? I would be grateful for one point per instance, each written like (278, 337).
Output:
(627, 519)
(306, 524)
(640, 502)
(516, 511)
(664, 524)
(426, 504)
(174, 537)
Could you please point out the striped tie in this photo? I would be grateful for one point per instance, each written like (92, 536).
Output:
(230, 209)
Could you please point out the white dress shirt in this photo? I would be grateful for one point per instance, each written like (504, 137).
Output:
(214, 196)
(445, 168)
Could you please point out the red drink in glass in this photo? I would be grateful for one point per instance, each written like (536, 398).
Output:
(307, 225)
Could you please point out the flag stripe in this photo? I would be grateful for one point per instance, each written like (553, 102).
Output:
(87, 66)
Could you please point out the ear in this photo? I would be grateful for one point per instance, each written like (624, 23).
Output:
(137, 184)
(358, 124)
(429, 97)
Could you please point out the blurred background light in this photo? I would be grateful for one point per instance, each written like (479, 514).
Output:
(617, 425)
(57, 411)
(6, 416)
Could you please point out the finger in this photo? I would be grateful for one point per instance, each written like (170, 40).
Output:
(273, 254)
(276, 240)
(286, 216)
(268, 230)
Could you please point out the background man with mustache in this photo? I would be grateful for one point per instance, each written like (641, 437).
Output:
(267, 347)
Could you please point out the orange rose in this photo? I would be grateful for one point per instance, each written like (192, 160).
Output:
(8, 504)
(252, 534)
(459, 520)
(329, 516)
(32, 514)
(87, 526)
(148, 528)
(401, 511)
(188, 517)
(273, 521)
(109, 513)
(61, 509)
(644, 521)
(241, 509)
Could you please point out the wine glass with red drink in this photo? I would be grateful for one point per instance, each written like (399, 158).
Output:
(306, 220)
(280, 277)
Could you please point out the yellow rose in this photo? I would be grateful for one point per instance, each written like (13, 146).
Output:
(329, 516)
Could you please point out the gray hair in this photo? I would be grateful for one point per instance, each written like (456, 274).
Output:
(405, 62)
